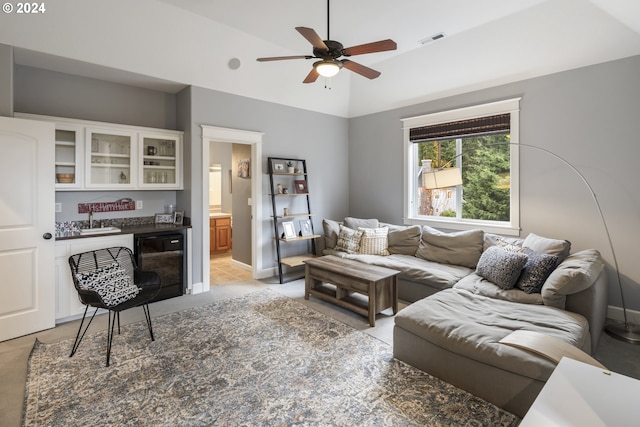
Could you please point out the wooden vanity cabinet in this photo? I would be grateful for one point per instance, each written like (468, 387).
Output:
(219, 234)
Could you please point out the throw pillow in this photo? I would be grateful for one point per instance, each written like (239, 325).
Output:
(348, 240)
(112, 283)
(501, 267)
(458, 248)
(536, 271)
(544, 245)
(374, 241)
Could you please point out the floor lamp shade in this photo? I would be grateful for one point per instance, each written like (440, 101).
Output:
(441, 178)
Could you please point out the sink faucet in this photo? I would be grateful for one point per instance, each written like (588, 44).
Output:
(90, 219)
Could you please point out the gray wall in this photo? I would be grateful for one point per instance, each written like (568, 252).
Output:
(241, 188)
(588, 116)
(6, 80)
(289, 132)
(50, 93)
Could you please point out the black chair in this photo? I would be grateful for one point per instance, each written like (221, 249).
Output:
(110, 279)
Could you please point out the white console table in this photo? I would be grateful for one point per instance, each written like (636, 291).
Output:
(578, 394)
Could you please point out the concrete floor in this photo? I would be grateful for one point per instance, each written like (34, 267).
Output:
(616, 355)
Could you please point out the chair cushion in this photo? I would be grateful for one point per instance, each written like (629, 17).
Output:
(112, 283)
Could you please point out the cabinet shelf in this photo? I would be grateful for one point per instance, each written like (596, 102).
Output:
(110, 165)
(66, 144)
(70, 164)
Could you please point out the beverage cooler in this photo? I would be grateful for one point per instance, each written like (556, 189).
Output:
(165, 254)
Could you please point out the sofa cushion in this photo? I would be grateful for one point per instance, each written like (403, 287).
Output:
(535, 271)
(500, 266)
(472, 326)
(331, 231)
(480, 286)
(576, 273)
(491, 239)
(544, 245)
(403, 240)
(458, 248)
(374, 241)
(436, 275)
(348, 240)
(355, 223)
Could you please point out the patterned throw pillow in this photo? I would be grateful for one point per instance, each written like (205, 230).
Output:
(348, 240)
(501, 267)
(374, 241)
(112, 283)
(536, 271)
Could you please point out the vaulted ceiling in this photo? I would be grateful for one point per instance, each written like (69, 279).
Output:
(168, 44)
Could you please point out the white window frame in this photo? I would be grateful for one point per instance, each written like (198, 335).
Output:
(511, 227)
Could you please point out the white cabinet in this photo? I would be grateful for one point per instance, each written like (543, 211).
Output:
(161, 165)
(67, 302)
(110, 161)
(105, 156)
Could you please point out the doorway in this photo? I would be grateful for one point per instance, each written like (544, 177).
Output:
(229, 212)
(249, 201)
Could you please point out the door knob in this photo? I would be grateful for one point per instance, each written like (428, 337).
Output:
(47, 236)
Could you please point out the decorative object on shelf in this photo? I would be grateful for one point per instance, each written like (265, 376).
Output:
(164, 218)
(278, 167)
(279, 189)
(305, 227)
(151, 150)
(118, 205)
(300, 186)
(290, 167)
(123, 178)
(285, 191)
(285, 212)
(289, 230)
(178, 217)
(244, 168)
(65, 178)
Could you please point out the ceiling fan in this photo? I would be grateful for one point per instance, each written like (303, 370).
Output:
(329, 51)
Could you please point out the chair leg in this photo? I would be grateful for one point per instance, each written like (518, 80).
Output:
(110, 328)
(147, 315)
(79, 337)
(118, 323)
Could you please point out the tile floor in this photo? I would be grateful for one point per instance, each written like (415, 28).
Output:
(223, 270)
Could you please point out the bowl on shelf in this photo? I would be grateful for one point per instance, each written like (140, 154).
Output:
(65, 178)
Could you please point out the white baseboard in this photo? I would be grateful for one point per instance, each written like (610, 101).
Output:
(267, 272)
(616, 313)
(198, 288)
(241, 265)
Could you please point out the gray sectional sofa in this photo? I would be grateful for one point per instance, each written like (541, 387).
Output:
(470, 289)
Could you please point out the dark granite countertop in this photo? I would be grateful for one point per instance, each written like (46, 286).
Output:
(130, 229)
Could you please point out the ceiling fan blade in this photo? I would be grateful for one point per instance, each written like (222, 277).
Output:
(379, 46)
(280, 58)
(312, 76)
(360, 69)
(313, 37)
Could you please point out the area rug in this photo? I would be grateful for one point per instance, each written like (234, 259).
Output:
(259, 360)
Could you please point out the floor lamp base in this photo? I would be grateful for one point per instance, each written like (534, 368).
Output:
(625, 332)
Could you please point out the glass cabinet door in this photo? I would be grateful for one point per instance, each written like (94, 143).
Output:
(160, 161)
(109, 158)
(68, 157)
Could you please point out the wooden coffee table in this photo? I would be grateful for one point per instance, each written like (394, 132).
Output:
(378, 284)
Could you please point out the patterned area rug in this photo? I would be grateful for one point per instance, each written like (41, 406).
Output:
(259, 360)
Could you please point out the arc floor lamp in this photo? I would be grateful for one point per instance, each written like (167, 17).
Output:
(450, 177)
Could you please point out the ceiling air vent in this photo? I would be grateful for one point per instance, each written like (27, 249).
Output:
(431, 39)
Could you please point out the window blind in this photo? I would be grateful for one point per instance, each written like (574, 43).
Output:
(470, 127)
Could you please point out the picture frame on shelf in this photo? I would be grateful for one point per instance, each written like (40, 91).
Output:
(305, 227)
(178, 217)
(278, 167)
(164, 218)
(301, 186)
(289, 230)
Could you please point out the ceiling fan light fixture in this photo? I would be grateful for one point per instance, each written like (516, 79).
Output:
(327, 67)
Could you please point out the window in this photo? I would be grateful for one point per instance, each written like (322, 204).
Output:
(482, 141)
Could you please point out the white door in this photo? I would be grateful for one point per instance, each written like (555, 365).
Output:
(27, 222)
